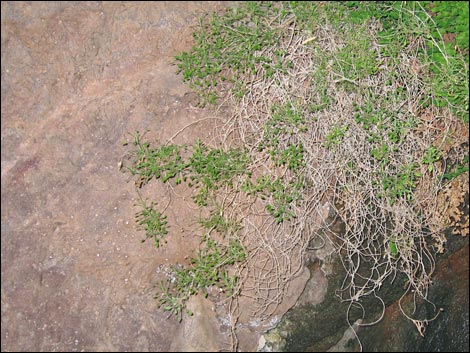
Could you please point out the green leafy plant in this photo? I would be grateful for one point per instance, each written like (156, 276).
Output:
(172, 301)
(335, 136)
(285, 122)
(431, 155)
(208, 268)
(357, 60)
(280, 197)
(219, 222)
(402, 184)
(230, 46)
(292, 157)
(381, 153)
(206, 169)
(289, 67)
(458, 169)
(447, 59)
(210, 168)
(153, 222)
(261, 184)
(451, 17)
(163, 162)
(393, 248)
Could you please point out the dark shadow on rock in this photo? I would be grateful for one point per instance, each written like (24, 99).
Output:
(448, 333)
(318, 328)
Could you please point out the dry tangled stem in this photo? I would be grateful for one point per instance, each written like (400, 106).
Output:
(345, 178)
(342, 178)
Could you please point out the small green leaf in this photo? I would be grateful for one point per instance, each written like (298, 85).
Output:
(393, 248)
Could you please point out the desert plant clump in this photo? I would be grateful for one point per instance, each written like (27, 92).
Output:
(342, 108)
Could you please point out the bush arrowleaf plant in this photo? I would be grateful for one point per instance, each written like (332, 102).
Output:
(344, 104)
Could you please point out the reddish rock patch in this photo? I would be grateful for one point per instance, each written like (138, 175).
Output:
(78, 78)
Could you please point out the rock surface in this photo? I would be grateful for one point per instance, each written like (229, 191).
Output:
(77, 79)
(199, 332)
(449, 332)
(318, 321)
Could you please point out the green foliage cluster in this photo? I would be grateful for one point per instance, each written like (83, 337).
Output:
(401, 184)
(230, 46)
(451, 17)
(335, 136)
(431, 155)
(230, 49)
(207, 169)
(208, 268)
(218, 222)
(356, 60)
(386, 131)
(447, 59)
(285, 122)
(153, 222)
(281, 197)
(210, 168)
(163, 162)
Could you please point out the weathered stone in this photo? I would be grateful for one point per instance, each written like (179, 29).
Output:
(78, 79)
(448, 332)
(348, 336)
(199, 332)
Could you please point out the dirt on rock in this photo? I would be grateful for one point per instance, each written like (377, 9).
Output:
(78, 79)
